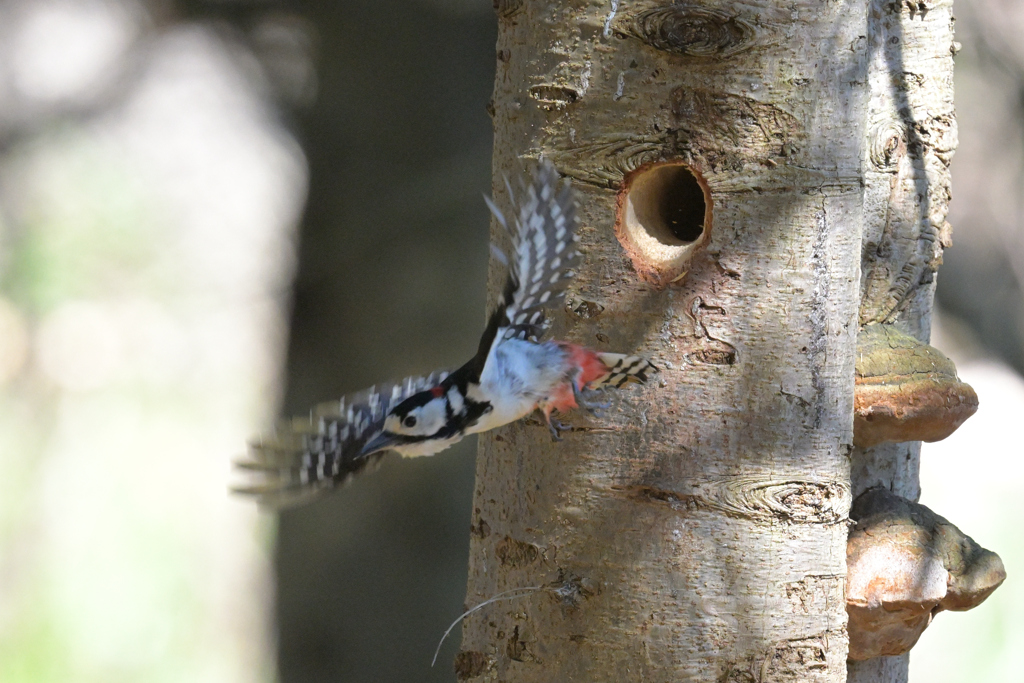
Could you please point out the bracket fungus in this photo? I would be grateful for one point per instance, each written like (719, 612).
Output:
(905, 564)
(905, 390)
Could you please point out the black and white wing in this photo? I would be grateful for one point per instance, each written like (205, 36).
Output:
(308, 455)
(544, 252)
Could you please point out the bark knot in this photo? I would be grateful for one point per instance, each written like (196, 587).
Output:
(515, 553)
(552, 96)
(690, 30)
(772, 501)
(505, 9)
(792, 501)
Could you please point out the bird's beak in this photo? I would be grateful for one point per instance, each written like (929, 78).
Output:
(381, 442)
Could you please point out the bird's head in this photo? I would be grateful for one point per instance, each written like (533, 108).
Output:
(417, 419)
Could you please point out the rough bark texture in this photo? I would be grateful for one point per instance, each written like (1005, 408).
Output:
(698, 531)
(911, 138)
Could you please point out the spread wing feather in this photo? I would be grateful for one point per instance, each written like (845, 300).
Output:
(544, 252)
(308, 455)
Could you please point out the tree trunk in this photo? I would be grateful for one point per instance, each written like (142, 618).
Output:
(911, 139)
(697, 531)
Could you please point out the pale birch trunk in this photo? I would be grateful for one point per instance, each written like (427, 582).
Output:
(911, 139)
(698, 531)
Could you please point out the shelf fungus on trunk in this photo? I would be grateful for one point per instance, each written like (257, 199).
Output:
(905, 390)
(905, 564)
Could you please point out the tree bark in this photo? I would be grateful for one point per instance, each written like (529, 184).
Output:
(911, 139)
(698, 531)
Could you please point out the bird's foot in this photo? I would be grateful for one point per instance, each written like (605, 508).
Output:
(584, 400)
(557, 428)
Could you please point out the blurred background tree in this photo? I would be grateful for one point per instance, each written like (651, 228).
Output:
(158, 161)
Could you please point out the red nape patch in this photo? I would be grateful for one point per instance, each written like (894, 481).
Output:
(437, 392)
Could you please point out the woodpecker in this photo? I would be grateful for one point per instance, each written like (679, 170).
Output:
(513, 373)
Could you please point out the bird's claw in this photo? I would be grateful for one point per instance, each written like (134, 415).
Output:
(557, 428)
(583, 400)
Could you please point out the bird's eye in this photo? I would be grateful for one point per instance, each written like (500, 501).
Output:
(409, 421)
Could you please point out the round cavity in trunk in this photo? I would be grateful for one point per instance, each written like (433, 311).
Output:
(664, 216)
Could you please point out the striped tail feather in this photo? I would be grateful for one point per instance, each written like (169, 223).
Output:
(622, 369)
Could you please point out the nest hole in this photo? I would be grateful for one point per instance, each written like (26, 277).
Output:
(664, 216)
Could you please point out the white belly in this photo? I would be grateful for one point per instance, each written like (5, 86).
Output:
(517, 375)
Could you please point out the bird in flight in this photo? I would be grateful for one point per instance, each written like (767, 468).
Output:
(513, 373)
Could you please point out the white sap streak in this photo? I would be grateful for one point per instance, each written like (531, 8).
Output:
(611, 17)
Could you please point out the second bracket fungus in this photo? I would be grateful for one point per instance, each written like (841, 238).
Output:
(905, 390)
(905, 564)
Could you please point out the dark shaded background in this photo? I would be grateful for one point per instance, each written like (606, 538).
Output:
(391, 282)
